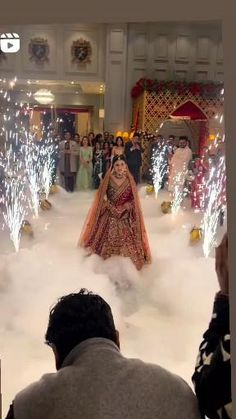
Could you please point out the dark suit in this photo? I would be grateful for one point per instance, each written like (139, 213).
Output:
(134, 160)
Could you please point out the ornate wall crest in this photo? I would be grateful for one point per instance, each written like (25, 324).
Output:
(81, 51)
(39, 50)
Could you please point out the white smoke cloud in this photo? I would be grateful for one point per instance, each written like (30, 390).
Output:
(161, 313)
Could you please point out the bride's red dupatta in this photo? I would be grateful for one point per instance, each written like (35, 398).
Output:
(95, 211)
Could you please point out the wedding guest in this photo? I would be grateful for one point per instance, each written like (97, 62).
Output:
(98, 165)
(99, 139)
(179, 164)
(212, 376)
(91, 137)
(118, 149)
(84, 176)
(94, 379)
(171, 146)
(68, 155)
(77, 138)
(133, 153)
(106, 136)
(154, 147)
(112, 140)
(107, 157)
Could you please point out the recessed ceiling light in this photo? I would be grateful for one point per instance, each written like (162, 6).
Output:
(72, 82)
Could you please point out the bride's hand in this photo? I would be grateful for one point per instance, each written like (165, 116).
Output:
(126, 206)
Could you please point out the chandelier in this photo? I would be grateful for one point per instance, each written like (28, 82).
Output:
(44, 96)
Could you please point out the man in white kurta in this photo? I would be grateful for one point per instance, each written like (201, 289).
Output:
(179, 164)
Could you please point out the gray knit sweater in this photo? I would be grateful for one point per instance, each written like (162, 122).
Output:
(97, 382)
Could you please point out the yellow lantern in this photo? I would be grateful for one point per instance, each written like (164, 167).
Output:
(45, 205)
(149, 189)
(119, 134)
(166, 207)
(195, 235)
(131, 135)
(212, 137)
(54, 189)
(27, 229)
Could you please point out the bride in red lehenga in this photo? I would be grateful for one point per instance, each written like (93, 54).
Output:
(115, 225)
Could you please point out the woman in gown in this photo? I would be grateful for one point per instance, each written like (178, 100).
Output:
(118, 149)
(84, 176)
(115, 225)
(98, 163)
(107, 157)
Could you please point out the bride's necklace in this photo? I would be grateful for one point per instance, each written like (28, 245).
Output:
(118, 176)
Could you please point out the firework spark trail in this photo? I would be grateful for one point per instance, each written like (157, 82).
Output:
(215, 189)
(159, 171)
(47, 166)
(2, 171)
(31, 158)
(14, 196)
(179, 191)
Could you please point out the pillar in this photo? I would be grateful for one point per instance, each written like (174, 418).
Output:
(116, 74)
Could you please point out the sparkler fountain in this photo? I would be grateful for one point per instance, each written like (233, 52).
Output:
(214, 204)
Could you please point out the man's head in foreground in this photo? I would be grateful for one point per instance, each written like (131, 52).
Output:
(76, 318)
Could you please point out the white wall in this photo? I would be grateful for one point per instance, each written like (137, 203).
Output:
(167, 51)
(59, 67)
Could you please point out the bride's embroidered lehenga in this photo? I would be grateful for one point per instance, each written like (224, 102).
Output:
(115, 224)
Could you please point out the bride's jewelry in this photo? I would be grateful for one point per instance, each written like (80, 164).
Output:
(118, 176)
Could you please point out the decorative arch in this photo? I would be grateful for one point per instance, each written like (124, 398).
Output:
(189, 110)
(155, 107)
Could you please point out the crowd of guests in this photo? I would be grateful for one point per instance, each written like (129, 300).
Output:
(95, 381)
(190, 172)
(83, 162)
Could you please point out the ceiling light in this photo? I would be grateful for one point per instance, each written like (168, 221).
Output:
(44, 96)
(28, 82)
(72, 82)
